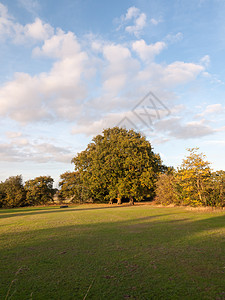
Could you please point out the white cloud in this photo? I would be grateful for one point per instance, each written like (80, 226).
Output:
(156, 21)
(173, 38)
(205, 60)
(134, 21)
(48, 96)
(132, 12)
(180, 72)
(5, 22)
(213, 109)
(13, 134)
(9, 29)
(90, 127)
(59, 45)
(3, 12)
(21, 150)
(176, 128)
(38, 30)
(148, 52)
(68, 92)
(139, 24)
(120, 67)
(169, 76)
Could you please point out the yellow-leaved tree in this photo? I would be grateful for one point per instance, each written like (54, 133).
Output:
(192, 179)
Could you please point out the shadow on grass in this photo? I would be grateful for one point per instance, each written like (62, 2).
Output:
(162, 260)
(9, 213)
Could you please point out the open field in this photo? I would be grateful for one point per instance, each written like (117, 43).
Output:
(102, 252)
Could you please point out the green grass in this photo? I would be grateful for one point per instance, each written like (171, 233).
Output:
(97, 252)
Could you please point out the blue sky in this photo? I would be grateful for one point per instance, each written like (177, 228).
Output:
(70, 68)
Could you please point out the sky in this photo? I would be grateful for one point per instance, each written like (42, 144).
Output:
(69, 69)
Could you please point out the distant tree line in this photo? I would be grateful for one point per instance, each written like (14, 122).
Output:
(36, 191)
(120, 165)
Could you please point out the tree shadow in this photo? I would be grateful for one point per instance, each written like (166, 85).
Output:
(47, 210)
(163, 260)
(36, 211)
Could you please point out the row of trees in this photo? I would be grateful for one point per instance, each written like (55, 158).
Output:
(34, 192)
(117, 165)
(193, 183)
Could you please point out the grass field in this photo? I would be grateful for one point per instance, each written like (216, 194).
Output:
(102, 252)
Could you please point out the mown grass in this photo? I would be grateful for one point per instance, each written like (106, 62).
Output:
(97, 252)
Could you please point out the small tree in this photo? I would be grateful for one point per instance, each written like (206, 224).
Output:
(71, 187)
(166, 189)
(12, 193)
(39, 190)
(2, 195)
(192, 179)
(216, 189)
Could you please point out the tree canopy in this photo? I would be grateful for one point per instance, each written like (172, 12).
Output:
(39, 190)
(12, 193)
(193, 177)
(193, 183)
(71, 187)
(119, 163)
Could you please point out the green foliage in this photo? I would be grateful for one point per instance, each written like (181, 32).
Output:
(119, 163)
(12, 193)
(216, 189)
(71, 187)
(166, 189)
(39, 190)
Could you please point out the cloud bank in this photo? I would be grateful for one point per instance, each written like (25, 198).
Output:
(92, 83)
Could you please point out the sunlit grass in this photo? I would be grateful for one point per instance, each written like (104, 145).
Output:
(98, 252)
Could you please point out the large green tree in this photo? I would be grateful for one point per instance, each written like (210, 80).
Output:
(39, 190)
(119, 163)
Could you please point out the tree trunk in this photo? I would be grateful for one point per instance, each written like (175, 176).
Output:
(119, 202)
(131, 200)
(199, 192)
(111, 201)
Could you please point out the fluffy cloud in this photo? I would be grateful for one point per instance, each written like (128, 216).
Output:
(169, 76)
(137, 20)
(119, 67)
(132, 12)
(139, 24)
(148, 52)
(190, 130)
(34, 32)
(38, 30)
(68, 92)
(213, 109)
(60, 45)
(52, 95)
(9, 29)
(20, 149)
